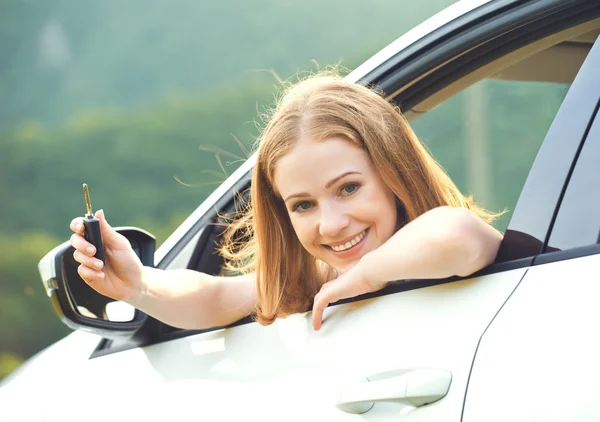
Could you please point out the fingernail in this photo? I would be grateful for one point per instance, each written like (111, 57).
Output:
(98, 264)
(89, 250)
(101, 276)
(78, 226)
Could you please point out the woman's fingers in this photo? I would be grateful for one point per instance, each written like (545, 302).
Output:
(77, 225)
(107, 231)
(90, 268)
(350, 284)
(330, 292)
(89, 275)
(88, 261)
(317, 318)
(82, 245)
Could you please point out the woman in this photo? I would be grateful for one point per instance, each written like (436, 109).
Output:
(345, 200)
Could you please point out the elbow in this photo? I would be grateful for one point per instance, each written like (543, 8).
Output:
(470, 243)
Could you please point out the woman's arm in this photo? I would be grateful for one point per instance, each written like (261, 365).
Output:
(182, 298)
(195, 300)
(440, 243)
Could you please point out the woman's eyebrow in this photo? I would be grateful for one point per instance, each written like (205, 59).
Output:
(327, 186)
(332, 181)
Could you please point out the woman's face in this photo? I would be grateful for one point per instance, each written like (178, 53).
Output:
(337, 202)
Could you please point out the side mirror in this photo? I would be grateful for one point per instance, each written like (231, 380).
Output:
(82, 308)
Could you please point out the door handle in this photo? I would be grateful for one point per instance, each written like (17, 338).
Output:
(415, 387)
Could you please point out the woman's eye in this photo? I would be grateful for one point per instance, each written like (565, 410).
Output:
(302, 206)
(350, 188)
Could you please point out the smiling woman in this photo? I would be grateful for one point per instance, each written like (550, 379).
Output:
(345, 210)
(344, 200)
(338, 172)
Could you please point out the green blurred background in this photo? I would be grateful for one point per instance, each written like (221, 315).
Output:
(146, 101)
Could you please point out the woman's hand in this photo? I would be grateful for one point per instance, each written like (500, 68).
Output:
(121, 275)
(349, 284)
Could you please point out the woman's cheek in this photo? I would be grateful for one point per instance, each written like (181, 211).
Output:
(300, 229)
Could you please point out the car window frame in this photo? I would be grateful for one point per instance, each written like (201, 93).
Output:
(540, 198)
(551, 254)
(573, 201)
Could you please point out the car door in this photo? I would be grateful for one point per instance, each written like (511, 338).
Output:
(288, 371)
(538, 360)
(414, 335)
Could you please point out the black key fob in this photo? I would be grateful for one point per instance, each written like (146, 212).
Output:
(92, 231)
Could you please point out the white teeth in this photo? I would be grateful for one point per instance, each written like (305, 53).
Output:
(350, 243)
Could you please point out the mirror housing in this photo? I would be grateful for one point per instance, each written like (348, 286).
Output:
(82, 308)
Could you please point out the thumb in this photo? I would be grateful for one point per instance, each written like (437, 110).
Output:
(108, 233)
(103, 223)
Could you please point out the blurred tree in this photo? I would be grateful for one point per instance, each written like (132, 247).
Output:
(26, 317)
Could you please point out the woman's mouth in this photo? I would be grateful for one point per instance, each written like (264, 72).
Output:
(350, 244)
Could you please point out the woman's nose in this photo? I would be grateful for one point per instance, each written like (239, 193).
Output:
(333, 221)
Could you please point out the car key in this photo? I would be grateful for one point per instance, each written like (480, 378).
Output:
(92, 231)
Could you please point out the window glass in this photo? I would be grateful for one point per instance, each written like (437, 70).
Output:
(487, 137)
(578, 220)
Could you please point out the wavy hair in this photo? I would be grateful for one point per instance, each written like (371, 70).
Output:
(262, 240)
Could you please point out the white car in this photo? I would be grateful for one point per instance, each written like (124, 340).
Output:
(513, 342)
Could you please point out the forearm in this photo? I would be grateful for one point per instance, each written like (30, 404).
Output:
(441, 243)
(194, 300)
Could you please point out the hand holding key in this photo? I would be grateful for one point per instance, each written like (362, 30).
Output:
(108, 263)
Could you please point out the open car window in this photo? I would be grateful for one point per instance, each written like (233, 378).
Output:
(485, 129)
(487, 137)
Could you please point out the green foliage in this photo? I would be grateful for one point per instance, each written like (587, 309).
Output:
(131, 161)
(23, 302)
(61, 56)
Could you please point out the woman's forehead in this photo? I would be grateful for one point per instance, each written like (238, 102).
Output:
(311, 165)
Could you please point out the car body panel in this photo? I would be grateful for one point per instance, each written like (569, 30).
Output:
(270, 370)
(49, 376)
(538, 360)
(548, 369)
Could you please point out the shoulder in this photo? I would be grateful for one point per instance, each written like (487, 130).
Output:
(461, 227)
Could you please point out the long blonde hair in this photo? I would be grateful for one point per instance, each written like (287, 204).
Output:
(262, 239)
